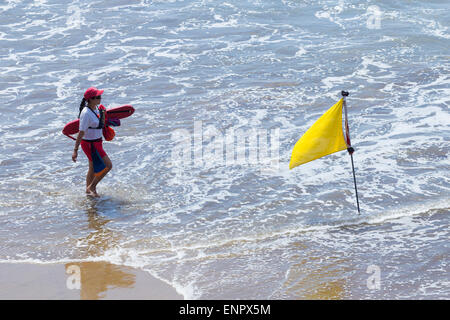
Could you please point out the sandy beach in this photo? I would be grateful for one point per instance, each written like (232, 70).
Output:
(80, 281)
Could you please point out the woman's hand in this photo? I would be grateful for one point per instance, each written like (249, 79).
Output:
(75, 155)
(77, 144)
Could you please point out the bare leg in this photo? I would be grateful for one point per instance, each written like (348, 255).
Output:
(89, 176)
(92, 188)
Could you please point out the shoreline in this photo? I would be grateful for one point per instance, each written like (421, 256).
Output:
(80, 281)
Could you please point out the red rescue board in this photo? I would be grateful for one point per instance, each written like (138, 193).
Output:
(114, 113)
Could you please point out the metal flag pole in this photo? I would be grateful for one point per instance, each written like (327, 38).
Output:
(349, 145)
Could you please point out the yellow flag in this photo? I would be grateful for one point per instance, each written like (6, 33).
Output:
(323, 138)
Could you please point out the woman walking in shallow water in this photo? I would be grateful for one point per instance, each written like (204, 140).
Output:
(90, 138)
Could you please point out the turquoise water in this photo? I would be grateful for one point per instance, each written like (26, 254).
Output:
(211, 227)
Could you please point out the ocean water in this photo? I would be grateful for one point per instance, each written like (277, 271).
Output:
(223, 227)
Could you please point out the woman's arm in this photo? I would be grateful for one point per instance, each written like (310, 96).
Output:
(77, 145)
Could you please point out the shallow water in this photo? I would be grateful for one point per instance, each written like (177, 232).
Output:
(217, 227)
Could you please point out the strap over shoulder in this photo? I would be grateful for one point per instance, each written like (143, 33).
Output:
(101, 122)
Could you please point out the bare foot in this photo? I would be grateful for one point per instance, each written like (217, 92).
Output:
(92, 193)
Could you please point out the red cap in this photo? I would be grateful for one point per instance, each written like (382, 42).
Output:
(92, 92)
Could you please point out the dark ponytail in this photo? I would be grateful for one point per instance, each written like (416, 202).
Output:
(82, 105)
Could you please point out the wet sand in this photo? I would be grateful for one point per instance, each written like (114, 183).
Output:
(83, 280)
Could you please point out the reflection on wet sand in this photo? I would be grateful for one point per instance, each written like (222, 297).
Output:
(306, 280)
(94, 279)
(104, 280)
(100, 238)
(316, 286)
